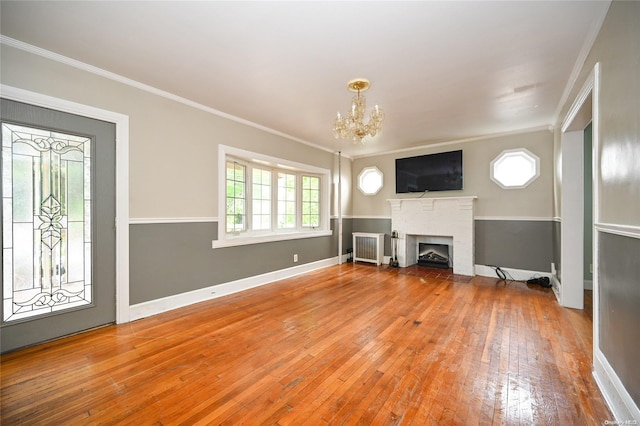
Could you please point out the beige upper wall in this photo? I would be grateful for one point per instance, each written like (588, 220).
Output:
(344, 165)
(617, 49)
(173, 148)
(493, 201)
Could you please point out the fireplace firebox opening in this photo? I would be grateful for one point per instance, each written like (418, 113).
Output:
(434, 255)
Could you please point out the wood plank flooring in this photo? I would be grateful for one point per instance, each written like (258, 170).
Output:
(350, 344)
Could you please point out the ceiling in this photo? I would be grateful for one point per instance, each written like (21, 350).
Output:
(441, 71)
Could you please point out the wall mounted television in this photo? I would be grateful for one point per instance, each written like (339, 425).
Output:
(431, 172)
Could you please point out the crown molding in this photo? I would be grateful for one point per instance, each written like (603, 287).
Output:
(589, 40)
(8, 41)
(546, 127)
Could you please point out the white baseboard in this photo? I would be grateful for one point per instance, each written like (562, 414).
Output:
(588, 284)
(153, 307)
(516, 274)
(618, 399)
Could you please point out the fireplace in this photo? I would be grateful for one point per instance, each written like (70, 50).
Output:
(433, 255)
(446, 220)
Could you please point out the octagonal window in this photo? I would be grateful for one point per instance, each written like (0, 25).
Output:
(370, 180)
(515, 168)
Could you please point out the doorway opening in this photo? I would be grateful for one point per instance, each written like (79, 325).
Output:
(579, 208)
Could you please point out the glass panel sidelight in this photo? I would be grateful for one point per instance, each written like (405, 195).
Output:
(46, 227)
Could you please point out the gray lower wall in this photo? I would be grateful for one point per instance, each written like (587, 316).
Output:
(347, 231)
(172, 258)
(557, 240)
(619, 291)
(375, 226)
(518, 244)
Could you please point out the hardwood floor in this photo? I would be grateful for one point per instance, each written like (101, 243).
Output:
(349, 344)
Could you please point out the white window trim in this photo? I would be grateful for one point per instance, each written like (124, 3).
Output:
(363, 173)
(232, 239)
(506, 152)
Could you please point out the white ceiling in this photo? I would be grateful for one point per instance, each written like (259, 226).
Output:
(441, 70)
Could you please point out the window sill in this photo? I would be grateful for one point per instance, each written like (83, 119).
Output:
(233, 241)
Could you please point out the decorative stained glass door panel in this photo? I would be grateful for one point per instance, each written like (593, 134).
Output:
(46, 188)
(57, 224)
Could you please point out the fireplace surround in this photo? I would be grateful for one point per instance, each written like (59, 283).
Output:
(433, 220)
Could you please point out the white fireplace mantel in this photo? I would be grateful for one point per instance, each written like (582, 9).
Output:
(435, 217)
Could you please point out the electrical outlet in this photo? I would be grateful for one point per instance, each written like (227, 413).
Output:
(295, 257)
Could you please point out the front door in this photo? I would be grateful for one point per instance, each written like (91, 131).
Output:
(58, 224)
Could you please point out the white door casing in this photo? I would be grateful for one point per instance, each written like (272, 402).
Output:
(122, 178)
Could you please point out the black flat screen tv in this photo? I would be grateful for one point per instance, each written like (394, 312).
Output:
(432, 172)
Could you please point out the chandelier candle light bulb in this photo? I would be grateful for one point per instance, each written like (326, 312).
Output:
(352, 127)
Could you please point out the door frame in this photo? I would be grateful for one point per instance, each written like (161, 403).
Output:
(584, 109)
(122, 178)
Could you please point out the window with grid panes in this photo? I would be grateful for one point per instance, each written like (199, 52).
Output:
(236, 197)
(271, 199)
(286, 200)
(310, 201)
(261, 199)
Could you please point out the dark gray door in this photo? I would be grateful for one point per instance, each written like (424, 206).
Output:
(58, 224)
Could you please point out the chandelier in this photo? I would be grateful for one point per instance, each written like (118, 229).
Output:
(352, 127)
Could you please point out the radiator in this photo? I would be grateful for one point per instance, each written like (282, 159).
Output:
(368, 247)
